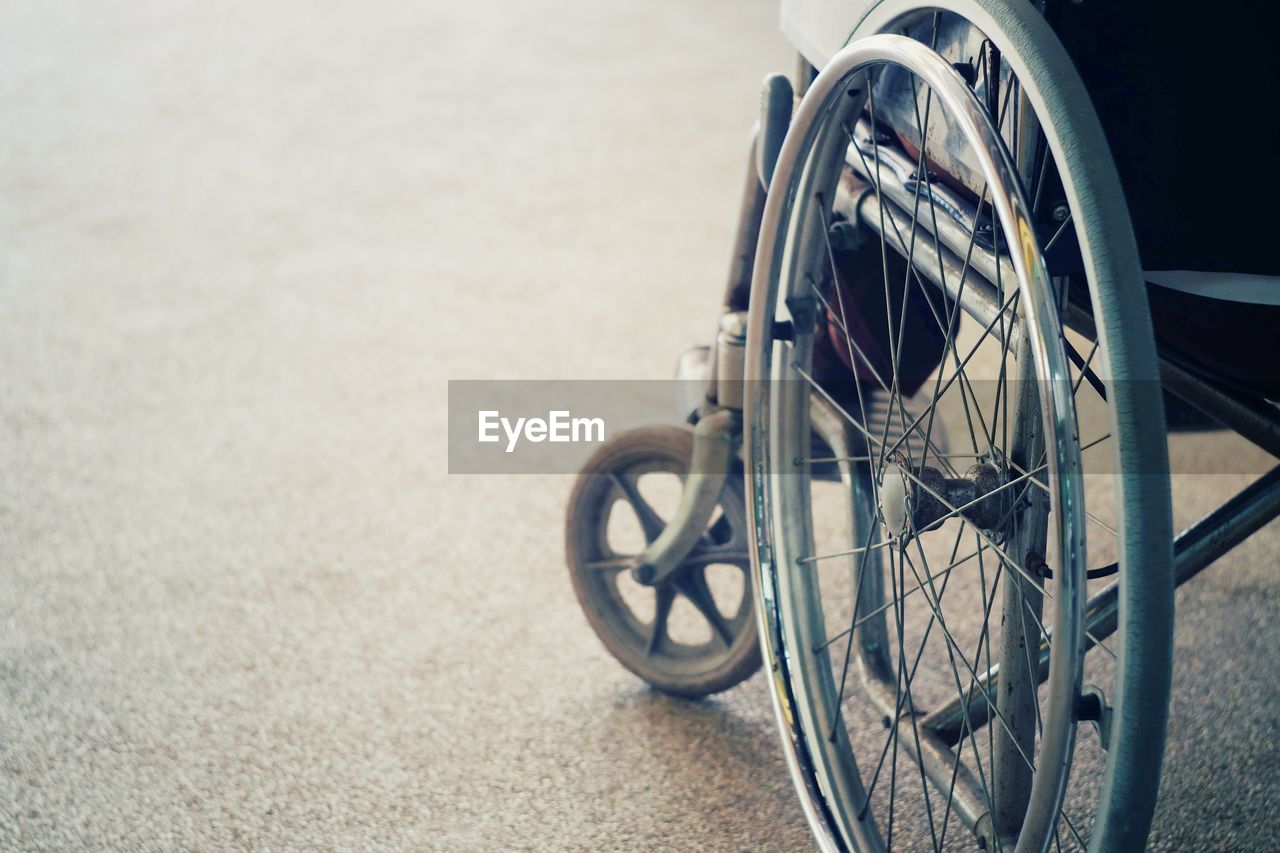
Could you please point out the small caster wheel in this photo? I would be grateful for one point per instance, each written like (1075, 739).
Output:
(694, 633)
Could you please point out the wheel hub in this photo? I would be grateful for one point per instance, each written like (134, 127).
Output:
(920, 498)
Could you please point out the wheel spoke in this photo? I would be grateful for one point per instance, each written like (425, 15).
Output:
(898, 708)
(1086, 373)
(954, 652)
(1010, 303)
(848, 649)
(913, 272)
(612, 564)
(1056, 234)
(884, 265)
(1038, 484)
(922, 178)
(1075, 388)
(879, 442)
(694, 587)
(952, 319)
(941, 573)
(1032, 666)
(854, 349)
(1002, 381)
(650, 522)
(846, 553)
(967, 730)
(817, 386)
(935, 618)
(664, 597)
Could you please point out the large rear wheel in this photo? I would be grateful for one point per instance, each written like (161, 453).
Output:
(926, 238)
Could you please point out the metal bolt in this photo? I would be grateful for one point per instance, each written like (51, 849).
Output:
(846, 235)
(1061, 212)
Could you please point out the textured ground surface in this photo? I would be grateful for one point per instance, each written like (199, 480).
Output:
(242, 604)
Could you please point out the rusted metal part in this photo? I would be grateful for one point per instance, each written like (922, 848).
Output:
(916, 499)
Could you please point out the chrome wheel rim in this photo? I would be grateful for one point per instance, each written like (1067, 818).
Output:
(780, 399)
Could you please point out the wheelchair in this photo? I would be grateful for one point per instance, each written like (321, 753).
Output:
(928, 484)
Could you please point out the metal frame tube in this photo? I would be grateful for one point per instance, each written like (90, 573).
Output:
(715, 445)
(1252, 417)
(737, 292)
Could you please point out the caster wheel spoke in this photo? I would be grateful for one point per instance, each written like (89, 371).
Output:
(693, 583)
(664, 596)
(650, 521)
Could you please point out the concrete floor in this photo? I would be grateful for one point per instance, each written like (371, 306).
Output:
(243, 246)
